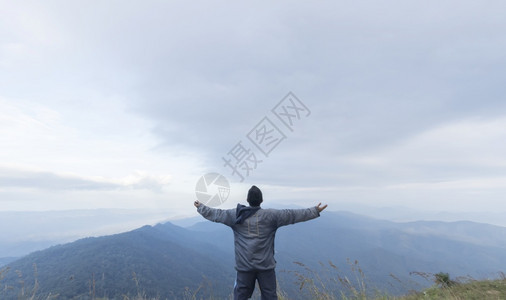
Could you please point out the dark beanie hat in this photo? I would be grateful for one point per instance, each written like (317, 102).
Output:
(254, 196)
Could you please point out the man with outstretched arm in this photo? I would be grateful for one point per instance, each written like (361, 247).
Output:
(254, 231)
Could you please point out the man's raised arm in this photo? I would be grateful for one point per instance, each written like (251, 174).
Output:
(292, 216)
(226, 217)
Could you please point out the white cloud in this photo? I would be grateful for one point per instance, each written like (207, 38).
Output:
(403, 95)
(470, 145)
(24, 179)
(464, 184)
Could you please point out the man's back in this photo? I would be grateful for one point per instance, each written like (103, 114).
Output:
(254, 237)
(254, 232)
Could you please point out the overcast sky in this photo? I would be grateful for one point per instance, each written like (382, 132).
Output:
(125, 104)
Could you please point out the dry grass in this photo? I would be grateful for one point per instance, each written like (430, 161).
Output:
(464, 289)
(355, 287)
(314, 285)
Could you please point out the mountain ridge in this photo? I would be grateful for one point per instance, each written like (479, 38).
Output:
(168, 260)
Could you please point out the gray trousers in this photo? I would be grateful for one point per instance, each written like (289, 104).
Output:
(245, 284)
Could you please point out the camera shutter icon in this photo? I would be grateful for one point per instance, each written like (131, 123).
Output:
(212, 189)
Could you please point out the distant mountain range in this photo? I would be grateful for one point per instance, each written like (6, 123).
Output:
(169, 262)
(22, 232)
(6, 260)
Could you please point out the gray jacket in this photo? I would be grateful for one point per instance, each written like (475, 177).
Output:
(254, 238)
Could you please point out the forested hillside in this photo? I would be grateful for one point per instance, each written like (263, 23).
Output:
(167, 261)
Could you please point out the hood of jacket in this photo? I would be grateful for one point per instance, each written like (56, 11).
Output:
(243, 212)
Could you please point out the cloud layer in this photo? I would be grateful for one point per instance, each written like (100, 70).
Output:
(406, 99)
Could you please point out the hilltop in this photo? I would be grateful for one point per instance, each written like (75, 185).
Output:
(168, 261)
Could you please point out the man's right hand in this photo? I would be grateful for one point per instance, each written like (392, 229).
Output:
(320, 207)
(196, 203)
